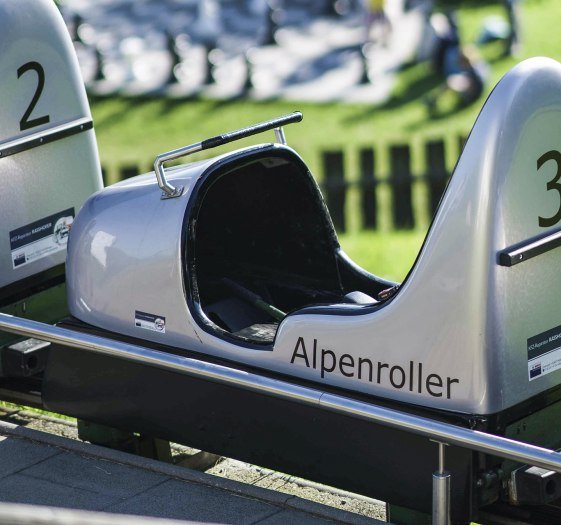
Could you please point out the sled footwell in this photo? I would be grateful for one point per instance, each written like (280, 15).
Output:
(306, 441)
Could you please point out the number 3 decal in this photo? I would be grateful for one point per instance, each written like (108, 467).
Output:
(26, 122)
(553, 184)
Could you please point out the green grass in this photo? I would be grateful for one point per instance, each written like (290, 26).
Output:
(387, 254)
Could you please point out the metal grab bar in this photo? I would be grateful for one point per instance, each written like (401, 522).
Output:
(436, 430)
(170, 191)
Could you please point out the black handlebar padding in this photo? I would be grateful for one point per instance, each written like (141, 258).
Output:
(220, 140)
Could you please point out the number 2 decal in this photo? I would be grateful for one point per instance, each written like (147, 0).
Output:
(553, 184)
(26, 122)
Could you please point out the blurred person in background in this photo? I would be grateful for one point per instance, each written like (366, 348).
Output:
(469, 82)
(447, 45)
(465, 76)
(378, 25)
(512, 46)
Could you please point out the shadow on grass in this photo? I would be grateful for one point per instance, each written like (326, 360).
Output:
(120, 110)
(416, 81)
(421, 83)
(210, 106)
(443, 114)
(169, 105)
(413, 91)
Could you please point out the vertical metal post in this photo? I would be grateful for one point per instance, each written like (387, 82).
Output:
(279, 135)
(441, 491)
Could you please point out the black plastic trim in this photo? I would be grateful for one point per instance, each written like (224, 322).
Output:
(32, 285)
(46, 137)
(225, 138)
(529, 249)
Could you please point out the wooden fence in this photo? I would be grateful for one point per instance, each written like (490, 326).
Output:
(400, 181)
(337, 183)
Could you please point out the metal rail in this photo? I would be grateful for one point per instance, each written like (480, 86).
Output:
(435, 430)
(443, 433)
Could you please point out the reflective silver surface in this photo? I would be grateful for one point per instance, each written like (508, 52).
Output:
(169, 190)
(280, 136)
(456, 335)
(441, 498)
(42, 93)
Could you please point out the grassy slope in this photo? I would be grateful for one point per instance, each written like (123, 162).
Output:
(135, 131)
(390, 255)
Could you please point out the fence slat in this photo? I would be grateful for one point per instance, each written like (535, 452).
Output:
(126, 172)
(335, 187)
(369, 201)
(401, 182)
(437, 174)
(104, 176)
(462, 139)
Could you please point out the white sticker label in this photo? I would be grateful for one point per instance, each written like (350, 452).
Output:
(544, 365)
(544, 353)
(41, 238)
(155, 323)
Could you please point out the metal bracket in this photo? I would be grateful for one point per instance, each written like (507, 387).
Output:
(170, 192)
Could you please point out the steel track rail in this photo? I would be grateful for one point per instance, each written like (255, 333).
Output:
(434, 430)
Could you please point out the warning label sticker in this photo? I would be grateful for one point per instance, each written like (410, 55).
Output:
(41, 238)
(544, 353)
(156, 323)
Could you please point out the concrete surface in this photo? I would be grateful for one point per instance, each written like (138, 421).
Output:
(42, 469)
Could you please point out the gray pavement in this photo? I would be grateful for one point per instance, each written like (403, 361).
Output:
(37, 468)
